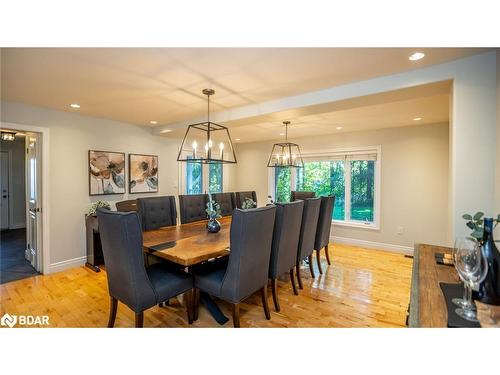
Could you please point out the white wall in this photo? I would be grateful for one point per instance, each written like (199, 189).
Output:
(17, 199)
(414, 180)
(71, 136)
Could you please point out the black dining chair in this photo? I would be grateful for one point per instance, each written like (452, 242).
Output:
(240, 197)
(247, 267)
(323, 231)
(226, 202)
(285, 244)
(157, 212)
(193, 207)
(126, 206)
(129, 280)
(310, 217)
(296, 195)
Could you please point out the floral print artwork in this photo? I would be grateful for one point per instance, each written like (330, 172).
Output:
(143, 173)
(106, 172)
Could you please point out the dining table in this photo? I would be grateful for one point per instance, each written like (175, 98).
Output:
(189, 245)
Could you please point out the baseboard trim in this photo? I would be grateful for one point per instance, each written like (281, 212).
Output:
(65, 264)
(372, 245)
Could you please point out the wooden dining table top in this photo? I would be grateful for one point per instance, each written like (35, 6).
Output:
(188, 244)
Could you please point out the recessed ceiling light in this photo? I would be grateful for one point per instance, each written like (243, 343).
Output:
(282, 133)
(339, 128)
(153, 122)
(417, 119)
(166, 131)
(237, 139)
(416, 56)
(74, 105)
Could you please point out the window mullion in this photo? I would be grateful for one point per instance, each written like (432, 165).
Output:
(347, 193)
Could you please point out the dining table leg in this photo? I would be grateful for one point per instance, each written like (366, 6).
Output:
(207, 301)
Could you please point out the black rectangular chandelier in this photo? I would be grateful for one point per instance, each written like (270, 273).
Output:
(207, 142)
(286, 154)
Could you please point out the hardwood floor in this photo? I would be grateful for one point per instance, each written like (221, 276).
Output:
(362, 288)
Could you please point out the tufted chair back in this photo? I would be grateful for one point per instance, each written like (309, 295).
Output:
(193, 207)
(157, 212)
(226, 202)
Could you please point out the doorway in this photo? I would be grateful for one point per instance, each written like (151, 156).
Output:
(20, 184)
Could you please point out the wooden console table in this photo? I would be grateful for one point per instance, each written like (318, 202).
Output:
(94, 248)
(427, 305)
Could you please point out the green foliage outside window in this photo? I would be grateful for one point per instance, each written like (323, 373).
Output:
(324, 178)
(282, 184)
(194, 178)
(362, 189)
(215, 178)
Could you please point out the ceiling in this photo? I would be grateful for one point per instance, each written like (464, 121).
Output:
(139, 85)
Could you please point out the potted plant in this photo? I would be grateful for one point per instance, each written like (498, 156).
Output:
(96, 205)
(248, 203)
(213, 213)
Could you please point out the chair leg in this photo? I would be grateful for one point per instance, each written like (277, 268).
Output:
(292, 279)
(318, 259)
(112, 311)
(327, 255)
(196, 303)
(236, 315)
(311, 268)
(274, 289)
(139, 320)
(263, 294)
(188, 302)
(299, 278)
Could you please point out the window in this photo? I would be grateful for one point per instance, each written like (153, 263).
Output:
(282, 182)
(324, 178)
(201, 178)
(352, 176)
(215, 178)
(194, 178)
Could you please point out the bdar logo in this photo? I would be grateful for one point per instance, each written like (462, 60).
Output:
(8, 320)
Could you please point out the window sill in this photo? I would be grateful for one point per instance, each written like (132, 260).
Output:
(355, 224)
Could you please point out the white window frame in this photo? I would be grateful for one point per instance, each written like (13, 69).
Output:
(328, 153)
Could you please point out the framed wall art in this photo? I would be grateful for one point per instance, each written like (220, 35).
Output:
(143, 173)
(106, 172)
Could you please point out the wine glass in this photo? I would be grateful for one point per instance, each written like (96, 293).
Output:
(459, 243)
(472, 266)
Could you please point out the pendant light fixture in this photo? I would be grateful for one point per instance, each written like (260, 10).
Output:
(8, 136)
(207, 142)
(285, 154)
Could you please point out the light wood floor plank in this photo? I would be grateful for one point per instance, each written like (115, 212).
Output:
(362, 288)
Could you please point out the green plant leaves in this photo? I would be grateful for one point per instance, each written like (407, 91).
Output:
(467, 217)
(470, 224)
(478, 215)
